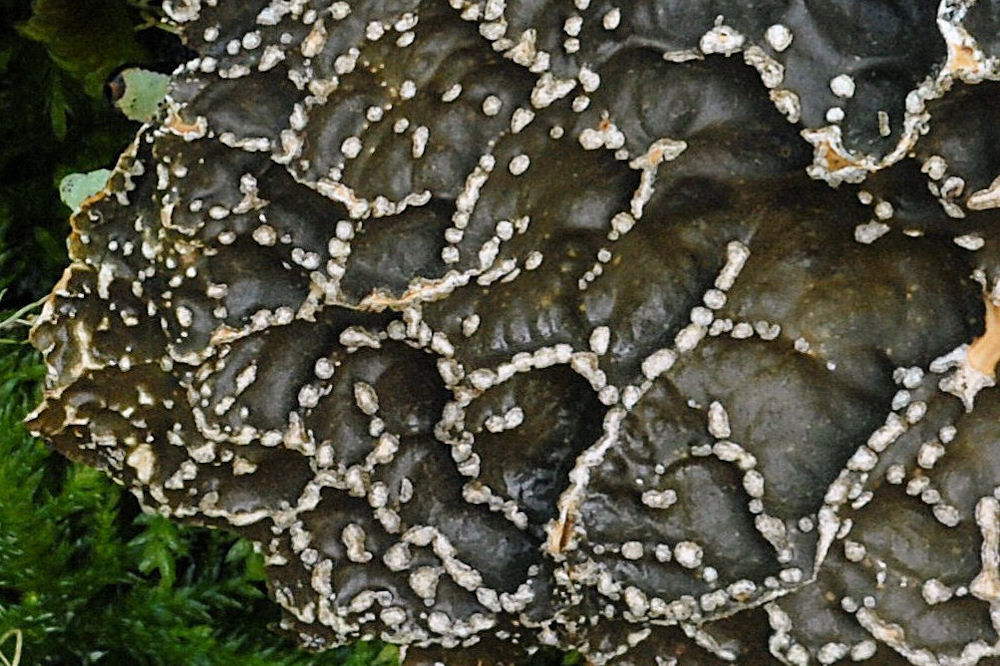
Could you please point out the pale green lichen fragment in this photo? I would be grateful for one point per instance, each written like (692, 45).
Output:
(75, 188)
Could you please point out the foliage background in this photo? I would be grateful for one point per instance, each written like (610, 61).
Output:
(85, 577)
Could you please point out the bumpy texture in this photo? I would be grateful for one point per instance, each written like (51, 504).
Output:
(655, 330)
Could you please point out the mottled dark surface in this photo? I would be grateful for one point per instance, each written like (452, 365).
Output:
(636, 329)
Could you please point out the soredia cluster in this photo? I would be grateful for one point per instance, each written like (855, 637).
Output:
(662, 330)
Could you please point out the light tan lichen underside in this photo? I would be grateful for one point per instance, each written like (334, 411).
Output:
(984, 352)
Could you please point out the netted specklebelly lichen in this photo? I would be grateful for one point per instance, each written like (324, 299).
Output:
(661, 330)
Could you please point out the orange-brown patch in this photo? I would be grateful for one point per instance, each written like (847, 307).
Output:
(176, 124)
(834, 160)
(984, 352)
(962, 58)
(561, 534)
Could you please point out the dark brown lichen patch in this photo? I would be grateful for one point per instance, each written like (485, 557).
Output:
(374, 269)
(527, 448)
(510, 325)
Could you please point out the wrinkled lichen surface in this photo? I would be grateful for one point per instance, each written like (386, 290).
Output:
(661, 330)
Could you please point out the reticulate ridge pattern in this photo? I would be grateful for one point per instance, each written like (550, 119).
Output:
(665, 331)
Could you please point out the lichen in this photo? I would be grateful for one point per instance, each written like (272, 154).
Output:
(653, 332)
